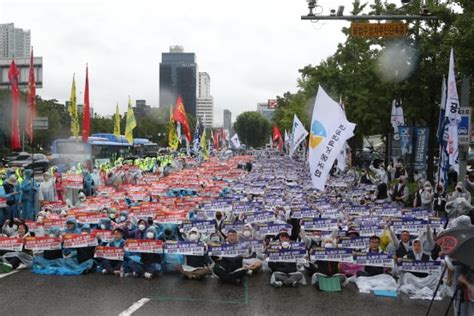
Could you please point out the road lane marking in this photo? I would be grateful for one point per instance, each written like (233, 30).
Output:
(9, 273)
(134, 307)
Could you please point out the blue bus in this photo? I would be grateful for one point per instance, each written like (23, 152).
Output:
(100, 148)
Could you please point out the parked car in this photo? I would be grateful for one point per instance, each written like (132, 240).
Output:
(14, 154)
(27, 161)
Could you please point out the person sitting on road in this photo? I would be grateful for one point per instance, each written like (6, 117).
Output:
(150, 263)
(194, 267)
(374, 244)
(251, 262)
(285, 273)
(230, 269)
(114, 266)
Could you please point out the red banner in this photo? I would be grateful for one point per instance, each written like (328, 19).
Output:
(54, 222)
(79, 240)
(90, 217)
(110, 253)
(42, 243)
(11, 244)
(73, 181)
(103, 235)
(148, 246)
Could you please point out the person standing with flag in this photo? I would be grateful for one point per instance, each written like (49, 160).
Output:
(131, 123)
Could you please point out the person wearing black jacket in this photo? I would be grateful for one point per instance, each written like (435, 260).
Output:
(230, 269)
(150, 263)
(284, 273)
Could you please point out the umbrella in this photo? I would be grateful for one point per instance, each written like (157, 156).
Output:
(458, 243)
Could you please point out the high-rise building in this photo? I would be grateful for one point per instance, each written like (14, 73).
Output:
(178, 72)
(14, 42)
(205, 102)
(141, 109)
(228, 120)
(267, 109)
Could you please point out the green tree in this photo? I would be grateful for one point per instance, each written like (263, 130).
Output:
(253, 129)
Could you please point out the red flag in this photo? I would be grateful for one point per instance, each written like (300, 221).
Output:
(86, 116)
(179, 116)
(277, 136)
(31, 101)
(215, 137)
(13, 76)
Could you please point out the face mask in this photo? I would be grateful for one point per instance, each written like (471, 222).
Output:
(39, 219)
(285, 244)
(193, 237)
(52, 235)
(215, 239)
(328, 245)
(122, 218)
(112, 215)
(247, 233)
(102, 226)
(150, 235)
(141, 227)
(14, 227)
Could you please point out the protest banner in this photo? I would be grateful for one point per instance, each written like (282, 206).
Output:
(110, 253)
(79, 240)
(229, 250)
(42, 243)
(184, 248)
(11, 243)
(374, 259)
(144, 245)
(296, 252)
(332, 254)
(73, 181)
(418, 266)
(204, 226)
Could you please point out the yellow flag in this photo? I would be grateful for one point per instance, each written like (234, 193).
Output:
(117, 122)
(72, 109)
(173, 140)
(204, 145)
(131, 123)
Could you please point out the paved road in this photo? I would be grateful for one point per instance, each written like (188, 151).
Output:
(25, 294)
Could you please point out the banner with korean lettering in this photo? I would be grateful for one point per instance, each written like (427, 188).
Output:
(110, 253)
(419, 266)
(42, 243)
(331, 254)
(11, 244)
(184, 248)
(421, 135)
(229, 250)
(295, 252)
(144, 245)
(79, 240)
(329, 131)
(406, 139)
(374, 259)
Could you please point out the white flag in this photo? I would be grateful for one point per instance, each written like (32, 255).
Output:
(397, 119)
(235, 141)
(453, 116)
(178, 131)
(298, 134)
(329, 131)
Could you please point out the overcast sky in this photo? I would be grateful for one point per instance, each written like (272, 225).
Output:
(252, 49)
